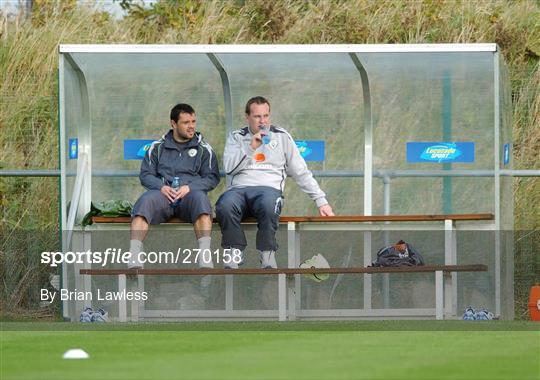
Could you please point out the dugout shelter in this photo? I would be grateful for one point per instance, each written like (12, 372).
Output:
(386, 129)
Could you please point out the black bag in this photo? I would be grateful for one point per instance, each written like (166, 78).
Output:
(397, 255)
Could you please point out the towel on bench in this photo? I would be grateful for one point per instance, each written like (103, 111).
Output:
(112, 209)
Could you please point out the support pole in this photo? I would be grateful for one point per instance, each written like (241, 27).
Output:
(122, 306)
(447, 137)
(450, 258)
(282, 297)
(439, 295)
(293, 261)
(386, 206)
(229, 292)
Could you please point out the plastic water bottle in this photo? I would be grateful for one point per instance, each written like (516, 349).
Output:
(264, 134)
(175, 185)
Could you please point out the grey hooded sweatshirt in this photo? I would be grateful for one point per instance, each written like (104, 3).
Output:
(269, 164)
(194, 162)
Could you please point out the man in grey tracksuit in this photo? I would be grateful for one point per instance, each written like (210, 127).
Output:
(182, 153)
(257, 160)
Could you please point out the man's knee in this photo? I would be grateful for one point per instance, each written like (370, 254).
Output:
(153, 207)
(269, 207)
(199, 198)
(222, 209)
(204, 218)
(226, 205)
(151, 198)
(139, 221)
(203, 221)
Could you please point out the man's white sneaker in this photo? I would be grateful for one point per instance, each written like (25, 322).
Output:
(234, 262)
(231, 265)
(134, 263)
(268, 259)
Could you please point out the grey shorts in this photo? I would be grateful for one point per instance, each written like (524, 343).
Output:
(156, 208)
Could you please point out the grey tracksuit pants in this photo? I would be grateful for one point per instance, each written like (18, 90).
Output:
(262, 202)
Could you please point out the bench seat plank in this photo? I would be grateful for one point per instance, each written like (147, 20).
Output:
(333, 219)
(287, 271)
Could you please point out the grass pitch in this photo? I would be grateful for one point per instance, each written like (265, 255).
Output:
(269, 350)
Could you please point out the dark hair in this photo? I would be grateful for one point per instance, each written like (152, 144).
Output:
(256, 100)
(181, 108)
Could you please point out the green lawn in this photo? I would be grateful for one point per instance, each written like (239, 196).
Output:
(336, 350)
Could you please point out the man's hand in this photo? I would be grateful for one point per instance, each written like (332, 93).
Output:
(326, 210)
(256, 140)
(182, 192)
(169, 193)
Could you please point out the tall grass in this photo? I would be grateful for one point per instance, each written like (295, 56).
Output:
(28, 80)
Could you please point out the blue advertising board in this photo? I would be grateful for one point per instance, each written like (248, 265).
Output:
(136, 149)
(73, 145)
(440, 152)
(311, 150)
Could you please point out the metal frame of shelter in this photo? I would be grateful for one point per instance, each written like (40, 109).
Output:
(81, 196)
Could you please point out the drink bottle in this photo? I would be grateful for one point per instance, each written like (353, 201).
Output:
(175, 185)
(264, 134)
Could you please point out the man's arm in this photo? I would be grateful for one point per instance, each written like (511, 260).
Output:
(298, 170)
(209, 172)
(148, 176)
(236, 157)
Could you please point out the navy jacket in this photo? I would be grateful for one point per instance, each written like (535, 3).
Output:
(195, 164)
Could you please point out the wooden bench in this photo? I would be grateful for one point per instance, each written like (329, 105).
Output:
(283, 274)
(445, 275)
